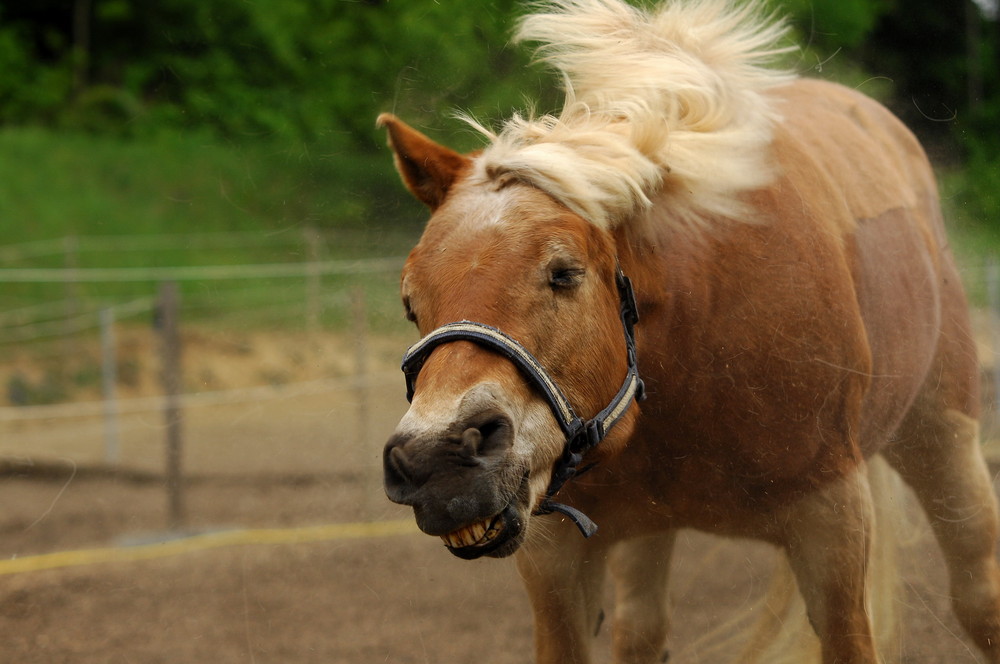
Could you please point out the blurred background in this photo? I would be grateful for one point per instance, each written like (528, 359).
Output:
(200, 238)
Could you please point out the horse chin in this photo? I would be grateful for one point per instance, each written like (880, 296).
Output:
(496, 537)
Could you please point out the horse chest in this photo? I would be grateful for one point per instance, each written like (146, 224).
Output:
(709, 487)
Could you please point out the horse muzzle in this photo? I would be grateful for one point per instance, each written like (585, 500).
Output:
(462, 484)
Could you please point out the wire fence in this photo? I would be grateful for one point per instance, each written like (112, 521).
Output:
(306, 395)
(235, 278)
(262, 291)
(342, 403)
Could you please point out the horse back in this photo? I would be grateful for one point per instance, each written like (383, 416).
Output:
(910, 300)
(783, 350)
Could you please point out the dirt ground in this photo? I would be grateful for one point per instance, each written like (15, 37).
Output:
(300, 462)
(398, 598)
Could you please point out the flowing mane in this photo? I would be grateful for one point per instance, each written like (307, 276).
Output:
(665, 102)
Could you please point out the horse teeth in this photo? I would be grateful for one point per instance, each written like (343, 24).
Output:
(475, 534)
(477, 531)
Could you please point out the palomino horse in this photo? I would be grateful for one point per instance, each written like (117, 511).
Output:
(799, 311)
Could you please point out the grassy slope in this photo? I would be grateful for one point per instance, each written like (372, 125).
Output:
(55, 185)
(58, 185)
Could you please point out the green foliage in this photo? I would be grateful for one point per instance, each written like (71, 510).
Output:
(30, 91)
(834, 25)
(318, 71)
(315, 71)
(973, 194)
(298, 84)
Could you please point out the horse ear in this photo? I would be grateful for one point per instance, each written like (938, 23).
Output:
(427, 168)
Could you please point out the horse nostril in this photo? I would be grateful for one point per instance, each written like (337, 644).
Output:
(397, 474)
(397, 462)
(492, 436)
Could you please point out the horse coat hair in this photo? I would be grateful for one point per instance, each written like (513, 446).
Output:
(799, 307)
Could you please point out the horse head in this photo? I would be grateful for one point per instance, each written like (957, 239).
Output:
(475, 453)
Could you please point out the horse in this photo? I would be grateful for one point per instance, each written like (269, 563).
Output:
(705, 294)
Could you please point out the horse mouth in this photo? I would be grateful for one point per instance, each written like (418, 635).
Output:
(498, 536)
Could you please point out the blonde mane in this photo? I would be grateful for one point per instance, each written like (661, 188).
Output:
(667, 101)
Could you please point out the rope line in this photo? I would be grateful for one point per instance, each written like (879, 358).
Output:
(152, 242)
(198, 272)
(196, 543)
(211, 398)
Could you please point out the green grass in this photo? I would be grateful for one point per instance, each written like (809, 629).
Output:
(197, 201)
(183, 195)
(971, 206)
(53, 185)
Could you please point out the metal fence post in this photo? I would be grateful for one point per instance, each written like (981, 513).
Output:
(313, 285)
(993, 294)
(167, 324)
(359, 315)
(109, 379)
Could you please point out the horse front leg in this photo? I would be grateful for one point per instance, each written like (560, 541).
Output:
(564, 575)
(827, 535)
(640, 568)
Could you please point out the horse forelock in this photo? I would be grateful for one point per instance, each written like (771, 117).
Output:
(666, 105)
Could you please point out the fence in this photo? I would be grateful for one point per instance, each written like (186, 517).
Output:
(335, 417)
(298, 295)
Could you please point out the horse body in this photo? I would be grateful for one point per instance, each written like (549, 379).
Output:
(780, 351)
(778, 354)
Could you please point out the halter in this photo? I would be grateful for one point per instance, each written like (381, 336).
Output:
(581, 435)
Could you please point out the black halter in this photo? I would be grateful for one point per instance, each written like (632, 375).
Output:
(581, 435)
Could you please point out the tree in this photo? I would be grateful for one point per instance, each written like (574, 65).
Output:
(293, 70)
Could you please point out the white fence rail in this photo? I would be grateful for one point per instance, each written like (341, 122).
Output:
(74, 429)
(198, 273)
(67, 318)
(71, 244)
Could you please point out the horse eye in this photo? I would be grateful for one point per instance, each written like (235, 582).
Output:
(566, 277)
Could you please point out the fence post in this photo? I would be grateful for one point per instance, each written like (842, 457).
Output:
(359, 317)
(993, 294)
(313, 299)
(109, 379)
(71, 262)
(167, 324)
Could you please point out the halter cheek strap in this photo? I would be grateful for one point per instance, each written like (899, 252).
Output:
(581, 435)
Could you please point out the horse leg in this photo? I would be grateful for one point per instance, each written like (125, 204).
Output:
(640, 568)
(826, 535)
(564, 577)
(937, 453)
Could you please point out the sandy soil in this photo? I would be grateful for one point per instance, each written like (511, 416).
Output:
(303, 461)
(398, 598)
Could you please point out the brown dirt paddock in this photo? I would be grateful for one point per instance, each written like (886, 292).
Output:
(398, 598)
(295, 463)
